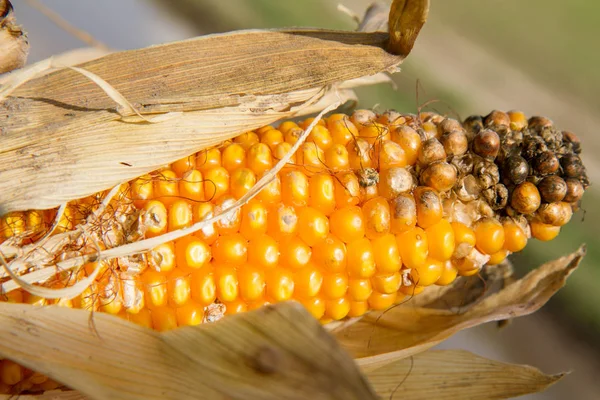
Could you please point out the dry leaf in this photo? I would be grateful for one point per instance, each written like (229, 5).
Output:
(273, 353)
(382, 337)
(407, 17)
(456, 374)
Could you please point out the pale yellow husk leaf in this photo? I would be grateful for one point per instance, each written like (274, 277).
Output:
(273, 353)
(383, 337)
(456, 374)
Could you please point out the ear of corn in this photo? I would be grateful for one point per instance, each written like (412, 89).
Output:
(370, 210)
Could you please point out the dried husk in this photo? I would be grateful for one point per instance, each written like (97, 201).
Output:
(273, 353)
(443, 374)
(64, 138)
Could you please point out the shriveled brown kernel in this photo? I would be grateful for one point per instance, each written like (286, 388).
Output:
(497, 120)
(496, 196)
(403, 213)
(464, 164)
(394, 181)
(431, 151)
(473, 125)
(439, 175)
(539, 123)
(572, 166)
(573, 140)
(574, 190)
(525, 198)
(557, 214)
(486, 144)
(468, 189)
(518, 120)
(552, 188)
(546, 163)
(516, 169)
(455, 143)
(486, 173)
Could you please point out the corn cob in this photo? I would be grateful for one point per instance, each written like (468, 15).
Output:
(371, 209)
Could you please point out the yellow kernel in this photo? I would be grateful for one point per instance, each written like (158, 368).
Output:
(203, 286)
(337, 309)
(294, 188)
(387, 255)
(449, 273)
(428, 273)
(180, 215)
(227, 283)
(191, 253)
(544, 232)
(178, 287)
(441, 240)
(233, 157)
(361, 260)
(164, 319)
(280, 284)
(489, 235)
(190, 314)
(387, 283)
(360, 289)
(413, 247)
(382, 301)
(514, 237)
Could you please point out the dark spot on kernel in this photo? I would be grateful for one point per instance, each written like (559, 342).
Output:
(368, 177)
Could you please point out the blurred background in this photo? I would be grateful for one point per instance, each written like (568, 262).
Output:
(473, 56)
